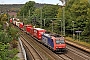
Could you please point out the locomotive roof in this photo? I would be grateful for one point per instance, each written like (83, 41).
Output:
(50, 34)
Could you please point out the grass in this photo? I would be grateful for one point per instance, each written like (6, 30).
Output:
(80, 42)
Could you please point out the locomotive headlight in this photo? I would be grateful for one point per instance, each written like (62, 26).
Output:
(56, 47)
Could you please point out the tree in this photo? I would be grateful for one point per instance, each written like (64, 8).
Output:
(6, 54)
(13, 32)
(59, 14)
(87, 28)
(76, 10)
(3, 18)
(25, 9)
(49, 13)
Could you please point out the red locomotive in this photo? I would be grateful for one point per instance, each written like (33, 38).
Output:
(54, 42)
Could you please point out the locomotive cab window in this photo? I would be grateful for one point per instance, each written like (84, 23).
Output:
(60, 42)
(52, 40)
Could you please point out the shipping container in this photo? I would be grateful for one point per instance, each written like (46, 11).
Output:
(17, 24)
(27, 28)
(38, 32)
(21, 25)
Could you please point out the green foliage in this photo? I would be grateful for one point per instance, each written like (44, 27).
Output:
(50, 11)
(4, 37)
(28, 6)
(26, 12)
(87, 28)
(77, 11)
(6, 54)
(13, 32)
(3, 18)
(1, 27)
(47, 12)
(59, 14)
(36, 17)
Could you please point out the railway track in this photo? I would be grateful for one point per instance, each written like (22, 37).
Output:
(47, 54)
(51, 55)
(78, 54)
(65, 57)
(34, 53)
(41, 50)
(75, 54)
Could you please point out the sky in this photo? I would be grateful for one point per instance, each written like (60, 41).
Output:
(24, 1)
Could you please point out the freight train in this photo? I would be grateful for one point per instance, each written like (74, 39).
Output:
(55, 42)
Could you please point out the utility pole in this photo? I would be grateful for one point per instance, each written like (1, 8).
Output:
(61, 27)
(52, 25)
(44, 22)
(73, 29)
(23, 17)
(29, 14)
(63, 20)
(63, 7)
(41, 17)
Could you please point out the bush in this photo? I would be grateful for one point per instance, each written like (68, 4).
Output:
(6, 54)
(14, 33)
(4, 37)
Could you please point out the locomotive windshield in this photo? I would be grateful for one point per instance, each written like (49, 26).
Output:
(60, 42)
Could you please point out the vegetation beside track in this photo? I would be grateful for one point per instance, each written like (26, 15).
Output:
(80, 42)
(8, 40)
